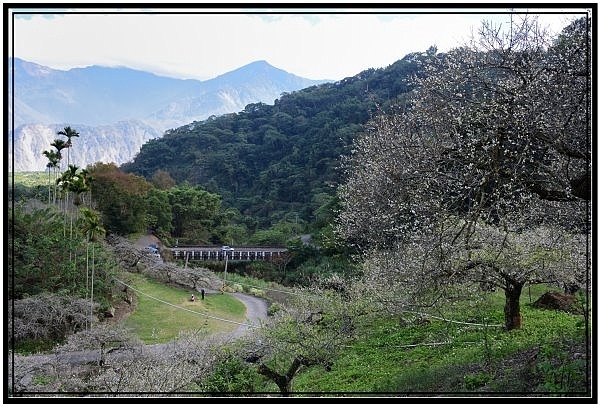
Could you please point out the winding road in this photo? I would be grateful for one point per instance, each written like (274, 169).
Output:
(256, 311)
(256, 308)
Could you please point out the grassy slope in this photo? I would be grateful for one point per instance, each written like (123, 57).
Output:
(475, 359)
(156, 322)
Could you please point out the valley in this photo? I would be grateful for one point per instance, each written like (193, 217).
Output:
(429, 231)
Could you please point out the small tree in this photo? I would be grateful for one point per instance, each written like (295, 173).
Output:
(104, 338)
(310, 331)
(46, 316)
(123, 365)
(162, 180)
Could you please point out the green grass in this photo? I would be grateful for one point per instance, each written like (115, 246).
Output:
(33, 346)
(386, 360)
(254, 286)
(30, 178)
(248, 281)
(157, 322)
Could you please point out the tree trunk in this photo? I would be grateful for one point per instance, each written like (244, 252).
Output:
(55, 187)
(92, 290)
(281, 381)
(87, 273)
(49, 186)
(512, 308)
(284, 382)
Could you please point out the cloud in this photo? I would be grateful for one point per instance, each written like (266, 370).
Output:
(315, 45)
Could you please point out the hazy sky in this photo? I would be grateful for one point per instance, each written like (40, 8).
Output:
(194, 43)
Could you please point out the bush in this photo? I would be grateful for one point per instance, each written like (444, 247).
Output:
(477, 380)
(257, 292)
(562, 368)
(231, 376)
(46, 317)
(274, 308)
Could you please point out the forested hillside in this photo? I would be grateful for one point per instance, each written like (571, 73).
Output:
(280, 160)
(119, 109)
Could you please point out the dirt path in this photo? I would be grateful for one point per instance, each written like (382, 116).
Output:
(256, 308)
(78, 362)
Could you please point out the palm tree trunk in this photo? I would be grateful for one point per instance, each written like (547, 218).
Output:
(92, 290)
(71, 223)
(49, 188)
(65, 202)
(55, 177)
(87, 271)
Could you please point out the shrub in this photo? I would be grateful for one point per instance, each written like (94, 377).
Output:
(477, 380)
(561, 372)
(231, 376)
(46, 317)
(274, 308)
(257, 292)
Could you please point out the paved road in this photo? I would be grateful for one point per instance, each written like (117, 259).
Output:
(256, 310)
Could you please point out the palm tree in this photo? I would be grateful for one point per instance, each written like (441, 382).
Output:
(69, 133)
(78, 183)
(93, 229)
(68, 183)
(59, 145)
(53, 159)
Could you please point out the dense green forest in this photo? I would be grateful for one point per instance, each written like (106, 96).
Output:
(278, 162)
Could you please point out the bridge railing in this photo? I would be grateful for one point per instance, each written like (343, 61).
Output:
(235, 254)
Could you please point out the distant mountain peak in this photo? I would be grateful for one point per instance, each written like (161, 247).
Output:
(259, 63)
(105, 97)
(253, 68)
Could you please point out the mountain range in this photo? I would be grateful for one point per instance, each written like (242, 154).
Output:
(117, 110)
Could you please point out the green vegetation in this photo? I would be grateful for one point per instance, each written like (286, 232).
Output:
(274, 163)
(29, 179)
(48, 259)
(411, 354)
(232, 376)
(157, 322)
(249, 282)
(179, 214)
(27, 185)
(33, 346)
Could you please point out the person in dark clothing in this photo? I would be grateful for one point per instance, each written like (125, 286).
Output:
(202, 293)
